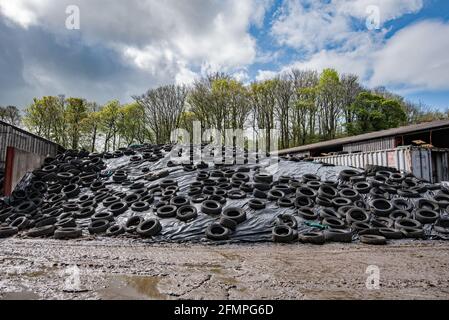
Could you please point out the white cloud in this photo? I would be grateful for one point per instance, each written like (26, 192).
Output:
(265, 75)
(415, 58)
(388, 9)
(312, 26)
(157, 36)
(24, 13)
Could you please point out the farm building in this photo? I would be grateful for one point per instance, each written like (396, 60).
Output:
(26, 151)
(421, 149)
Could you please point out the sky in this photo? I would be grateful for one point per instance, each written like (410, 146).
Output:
(123, 48)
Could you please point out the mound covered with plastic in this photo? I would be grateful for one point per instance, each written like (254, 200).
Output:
(147, 193)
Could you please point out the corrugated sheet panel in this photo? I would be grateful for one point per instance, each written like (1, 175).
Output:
(428, 164)
(373, 145)
(11, 136)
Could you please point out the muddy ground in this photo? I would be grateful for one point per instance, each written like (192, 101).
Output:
(122, 269)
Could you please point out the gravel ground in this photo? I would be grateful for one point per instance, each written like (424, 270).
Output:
(125, 269)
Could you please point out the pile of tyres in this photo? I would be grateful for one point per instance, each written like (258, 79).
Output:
(79, 194)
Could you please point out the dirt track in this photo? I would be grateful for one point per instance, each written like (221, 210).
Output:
(34, 269)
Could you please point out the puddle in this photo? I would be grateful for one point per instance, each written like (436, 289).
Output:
(216, 270)
(229, 256)
(132, 288)
(22, 295)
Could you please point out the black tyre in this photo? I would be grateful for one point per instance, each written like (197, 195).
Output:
(44, 231)
(329, 213)
(115, 230)
(199, 198)
(66, 223)
(236, 194)
(391, 233)
(84, 213)
(381, 207)
(186, 213)
(45, 221)
(216, 231)
(211, 207)
(132, 223)
(324, 202)
(167, 211)
(427, 204)
(340, 202)
(234, 213)
(312, 237)
(259, 194)
(8, 231)
(256, 204)
(399, 214)
(306, 192)
(307, 213)
(373, 239)
(284, 234)
(20, 223)
(68, 233)
(287, 219)
(98, 226)
(304, 202)
(345, 175)
(285, 202)
(357, 215)
(118, 208)
(228, 223)
(407, 223)
(71, 191)
(149, 228)
(104, 215)
(338, 235)
(179, 201)
(327, 191)
(334, 223)
(362, 187)
(426, 216)
(350, 194)
(402, 204)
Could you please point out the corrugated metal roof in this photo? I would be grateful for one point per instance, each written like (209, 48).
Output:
(371, 135)
(28, 133)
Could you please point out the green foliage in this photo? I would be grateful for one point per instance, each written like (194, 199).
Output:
(305, 106)
(10, 114)
(373, 112)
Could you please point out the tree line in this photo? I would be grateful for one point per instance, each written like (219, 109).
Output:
(305, 106)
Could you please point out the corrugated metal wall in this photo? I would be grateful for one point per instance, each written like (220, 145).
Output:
(371, 145)
(427, 164)
(11, 136)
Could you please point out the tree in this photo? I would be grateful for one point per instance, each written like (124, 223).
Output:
(350, 88)
(163, 107)
(220, 102)
(90, 125)
(263, 99)
(11, 115)
(109, 118)
(329, 102)
(46, 117)
(283, 93)
(373, 112)
(132, 124)
(304, 111)
(75, 114)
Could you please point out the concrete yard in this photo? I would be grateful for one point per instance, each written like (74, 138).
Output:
(127, 269)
